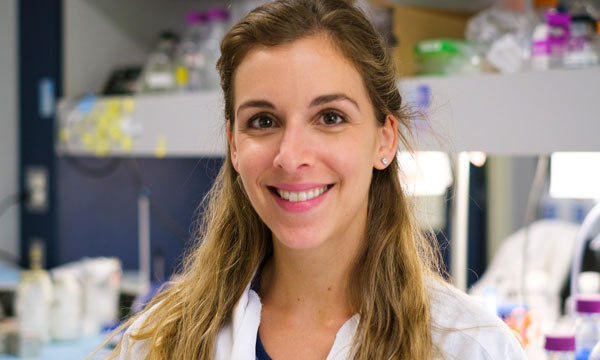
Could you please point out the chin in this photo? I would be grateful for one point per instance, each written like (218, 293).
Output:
(299, 240)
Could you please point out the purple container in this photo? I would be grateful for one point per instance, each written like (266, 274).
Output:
(560, 343)
(195, 17)
(588, 304)
(217, 14)
(554, 18)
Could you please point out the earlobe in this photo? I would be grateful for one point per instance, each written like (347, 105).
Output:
(388, 142)
(232, 147)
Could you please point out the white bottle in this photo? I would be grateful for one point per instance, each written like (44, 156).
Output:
(190, 58)
(218, 24)
(560, 347)
(34, 298)
(66, 310)
(587, 325)
(158, 74)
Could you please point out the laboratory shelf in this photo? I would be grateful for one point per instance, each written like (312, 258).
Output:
(155, 125)
(528, 113)
(520, 114)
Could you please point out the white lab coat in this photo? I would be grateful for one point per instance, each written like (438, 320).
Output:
(461, 328)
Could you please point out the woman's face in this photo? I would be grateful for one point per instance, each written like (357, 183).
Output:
(305, 141)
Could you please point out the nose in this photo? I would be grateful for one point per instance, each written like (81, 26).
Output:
(295, 151)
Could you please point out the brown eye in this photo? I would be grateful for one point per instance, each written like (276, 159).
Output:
(262, 122)
(332, 118)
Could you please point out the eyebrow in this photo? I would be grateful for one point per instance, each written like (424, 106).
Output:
(256, 104)
(319, 100)
(324, 99)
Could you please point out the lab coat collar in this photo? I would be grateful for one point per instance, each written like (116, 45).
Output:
(237, 340)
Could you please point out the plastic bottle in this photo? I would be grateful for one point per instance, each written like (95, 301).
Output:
(218, 24)
(190, 59)
(34, 298)
(158, 74)
(560, 347)
(587, 325)
(66, 310)
(551, 41)
(581, 52)
(595, 354)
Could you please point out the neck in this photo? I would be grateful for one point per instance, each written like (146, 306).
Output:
(310, 282)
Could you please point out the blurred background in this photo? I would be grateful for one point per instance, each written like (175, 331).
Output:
(111, 133)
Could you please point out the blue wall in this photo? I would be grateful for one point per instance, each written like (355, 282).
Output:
(97, 205)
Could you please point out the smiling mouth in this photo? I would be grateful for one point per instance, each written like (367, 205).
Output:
(295, 196)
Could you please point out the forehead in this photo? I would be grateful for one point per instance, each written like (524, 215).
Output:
(297, 73)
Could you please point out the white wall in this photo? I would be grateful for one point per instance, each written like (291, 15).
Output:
(9, 224)
(102, 34)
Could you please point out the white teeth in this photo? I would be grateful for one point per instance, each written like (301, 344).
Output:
(301, 195)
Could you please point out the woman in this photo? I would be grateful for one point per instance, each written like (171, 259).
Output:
(309, 248)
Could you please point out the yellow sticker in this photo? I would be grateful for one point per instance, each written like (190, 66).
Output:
(126, 143)
(115, 132)
(181, 76)
(113, 107)
(104, 121)
(88, 140)
(128, 104)
(161, 147)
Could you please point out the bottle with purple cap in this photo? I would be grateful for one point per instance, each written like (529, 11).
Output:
(587, 325)
(218, 25)
(560, 347)
(191, 60)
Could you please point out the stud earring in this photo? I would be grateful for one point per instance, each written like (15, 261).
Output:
(384, 161)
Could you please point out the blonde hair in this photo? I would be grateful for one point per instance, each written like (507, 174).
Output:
(388, 280)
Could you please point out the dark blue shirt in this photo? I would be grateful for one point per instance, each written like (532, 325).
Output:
(261, 353)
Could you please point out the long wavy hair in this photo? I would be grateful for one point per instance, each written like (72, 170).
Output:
(388, 283)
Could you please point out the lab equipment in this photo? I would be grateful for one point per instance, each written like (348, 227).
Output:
(447, 57)
(551, 41)
(101, 278)
(218, 24)
(158, 74)
(549, 253)
(66, 310)
(583, 235)
(560, 347)
(190, 57)
(504, 31)
(581, 52)
(34, 298)
(587, 325)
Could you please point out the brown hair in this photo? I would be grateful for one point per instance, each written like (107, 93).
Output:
(389, 277)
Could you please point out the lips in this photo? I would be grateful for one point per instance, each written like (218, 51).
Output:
(299, 197)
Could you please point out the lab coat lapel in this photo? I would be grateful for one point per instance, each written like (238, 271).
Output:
(237, 340)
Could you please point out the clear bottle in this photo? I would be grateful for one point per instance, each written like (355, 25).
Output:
(158, 74)
(190, 57)
(560, 347)
(218, 24)
(595, 354)
(581, 52)
(34, 297)
(587, 325)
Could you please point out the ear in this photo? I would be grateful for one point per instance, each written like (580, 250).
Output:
(232, 147)
(387, 142)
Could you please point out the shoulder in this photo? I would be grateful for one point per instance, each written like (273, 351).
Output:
(138, 349)
(463, 329)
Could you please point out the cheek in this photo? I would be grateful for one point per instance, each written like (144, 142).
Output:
(352, 157)
(253, 160)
